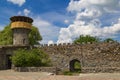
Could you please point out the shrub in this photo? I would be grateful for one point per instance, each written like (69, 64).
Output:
(67, 73)
(30, 58)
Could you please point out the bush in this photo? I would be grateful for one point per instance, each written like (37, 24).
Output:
(67, 73)
(30, 58)
(85, 39)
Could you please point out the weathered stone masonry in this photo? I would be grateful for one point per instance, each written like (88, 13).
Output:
(93, 57)
(5, 53)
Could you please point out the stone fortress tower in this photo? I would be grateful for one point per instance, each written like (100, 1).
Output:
(92, 57)
(21, 27)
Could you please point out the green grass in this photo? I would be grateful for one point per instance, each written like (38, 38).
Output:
(70, 73)
(67, 73)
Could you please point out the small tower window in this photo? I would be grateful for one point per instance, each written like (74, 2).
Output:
(23, 41)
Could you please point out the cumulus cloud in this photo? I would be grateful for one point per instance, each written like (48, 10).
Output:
(50, 42)
(90, 15)
(105, 5)
(26, 12)
(18, 2)
(66, 21)
(47, 30)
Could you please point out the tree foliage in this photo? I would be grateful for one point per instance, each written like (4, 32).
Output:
(85, 39)
(30, 58)
(6, 36)
(7, 39)
(109, 40)
(77, 65)
(34, 36)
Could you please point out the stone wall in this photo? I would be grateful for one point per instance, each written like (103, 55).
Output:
(101, 69)
(91, 56)
(5, 53)
(36, 69)
(2, 62)
(20, 36)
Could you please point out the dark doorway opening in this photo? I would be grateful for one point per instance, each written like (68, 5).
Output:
(23, 41)
(9, 63)
(75, 66)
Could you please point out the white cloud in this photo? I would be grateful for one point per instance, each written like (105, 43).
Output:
(89, 17)
(46, 29)
(18, 2)
(39, 22)
(50, 42)
(105, 5)
(65, 36)
(74, 30)
(26, 12)
(66, 21)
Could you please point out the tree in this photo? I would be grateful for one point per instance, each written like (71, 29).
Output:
(109, 40)
(86, 39)
(30, 58)
(34, 36)
(6, 36)
(7, 39)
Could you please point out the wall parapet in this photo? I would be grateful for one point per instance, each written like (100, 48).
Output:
(73, 44)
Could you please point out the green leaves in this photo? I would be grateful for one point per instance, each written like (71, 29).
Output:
(6, 36)
(30, 58)
(34, 36)
(109, 40)
(86, 39)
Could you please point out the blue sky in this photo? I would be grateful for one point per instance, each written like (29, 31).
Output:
(52, 12)
(61, 21)
(37, 7)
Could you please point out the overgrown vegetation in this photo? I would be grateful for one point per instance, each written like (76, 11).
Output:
(88, 38)
(109, 40)
(77, 67)
(67, 73)
(34, 36)
(6, 36)
(71, 73)
(30, 58)
(76, 71)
